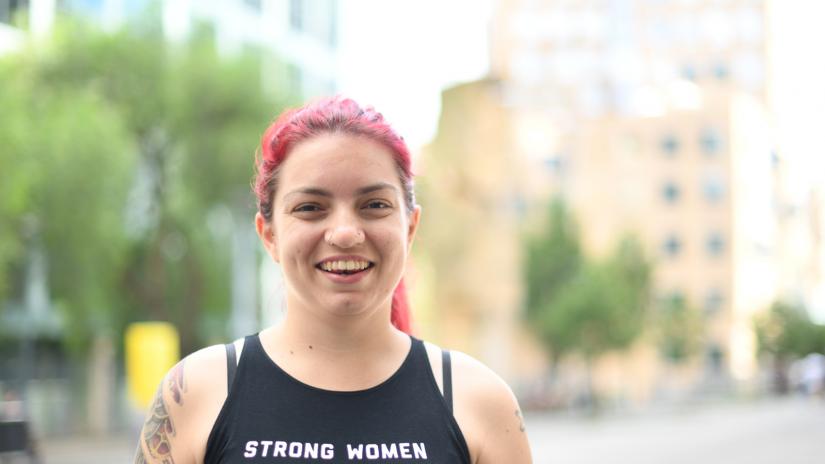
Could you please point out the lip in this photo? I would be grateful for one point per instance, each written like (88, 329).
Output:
(345, 278)
(343, 258)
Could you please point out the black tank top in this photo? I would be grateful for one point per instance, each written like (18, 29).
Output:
(269, 416)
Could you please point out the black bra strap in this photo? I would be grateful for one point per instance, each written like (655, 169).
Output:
(447, 378)
(231, 366)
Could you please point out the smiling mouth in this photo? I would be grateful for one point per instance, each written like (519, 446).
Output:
(345, 267)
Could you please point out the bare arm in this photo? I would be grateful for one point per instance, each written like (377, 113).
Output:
(489, 415)
(505, 439)
(160, 441)
(184, 409)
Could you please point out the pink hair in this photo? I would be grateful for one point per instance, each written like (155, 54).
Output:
(332, 115)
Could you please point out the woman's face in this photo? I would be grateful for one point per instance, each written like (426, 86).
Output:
(339, 228)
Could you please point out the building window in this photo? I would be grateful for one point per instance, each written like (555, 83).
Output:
(689, 72)
(715, 244)
(775, 159)
(332, 38)
(672, 246)
(254, 5)
(713, 188)
(671, 192)
(710, 141)
(554, 163)
(714, 301)
(714, 358)
(669, 144)
(8, 8)
(296, 15)
(675, 299)
(720, 71)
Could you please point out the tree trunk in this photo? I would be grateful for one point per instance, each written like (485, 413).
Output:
(101, 380)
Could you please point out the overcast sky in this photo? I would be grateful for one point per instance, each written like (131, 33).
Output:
(408, 52)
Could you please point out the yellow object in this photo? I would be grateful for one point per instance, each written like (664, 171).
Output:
(152, 348)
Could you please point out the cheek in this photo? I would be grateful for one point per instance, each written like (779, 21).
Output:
(392, 241)
(293, 242)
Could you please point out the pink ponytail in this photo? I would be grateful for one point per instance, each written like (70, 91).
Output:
(400, 314)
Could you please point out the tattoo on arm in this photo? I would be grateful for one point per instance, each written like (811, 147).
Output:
(158, 429)
(520, 420)
(176, 383)
(139, 457)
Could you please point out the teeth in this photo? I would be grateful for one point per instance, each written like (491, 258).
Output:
(331, 266)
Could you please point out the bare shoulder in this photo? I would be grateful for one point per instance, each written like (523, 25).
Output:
(488, 413)
(201, 371)
(184, 409)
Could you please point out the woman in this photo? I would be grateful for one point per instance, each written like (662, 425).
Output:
(339, 379)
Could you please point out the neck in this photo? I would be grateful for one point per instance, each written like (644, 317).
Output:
(367, 332)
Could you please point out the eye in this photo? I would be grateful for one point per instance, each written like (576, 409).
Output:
(377, 204)
(306, 208)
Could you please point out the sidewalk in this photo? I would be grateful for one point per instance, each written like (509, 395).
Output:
(766, 432)
(770, 431)
(86, 450)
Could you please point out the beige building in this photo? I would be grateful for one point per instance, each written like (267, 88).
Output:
(658, 124)
(699, 187)
(588, 58)
(648, 117)
(468, 243)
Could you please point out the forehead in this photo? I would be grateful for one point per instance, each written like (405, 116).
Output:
(338, 159)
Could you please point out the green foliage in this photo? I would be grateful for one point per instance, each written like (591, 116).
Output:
(579, 305)
(786, 331)
(88, 116)
(57, 141)
(630, 273)
(679, 329)
(552, 258)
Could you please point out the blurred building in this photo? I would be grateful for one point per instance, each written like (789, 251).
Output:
(652, 117)
(700, 187)
(467, 260)
(11, 35)
(586, 58)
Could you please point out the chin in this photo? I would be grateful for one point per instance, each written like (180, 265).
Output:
(348, 305)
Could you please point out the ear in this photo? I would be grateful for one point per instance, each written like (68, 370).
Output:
(266, 232)
(412, 228)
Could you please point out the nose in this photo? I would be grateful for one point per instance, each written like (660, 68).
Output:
(344, 236)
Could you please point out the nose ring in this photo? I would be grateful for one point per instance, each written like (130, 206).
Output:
(359, 237)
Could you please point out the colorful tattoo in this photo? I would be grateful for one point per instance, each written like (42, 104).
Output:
(176, 383)
(521, 420)
(158, 429)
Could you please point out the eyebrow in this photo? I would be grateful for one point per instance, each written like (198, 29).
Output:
(326, 193)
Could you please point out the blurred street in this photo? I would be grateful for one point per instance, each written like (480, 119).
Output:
(773, 431)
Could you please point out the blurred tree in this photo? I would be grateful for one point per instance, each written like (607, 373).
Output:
(783, 333)
(581, 306)
(630, 273)
(786, 330)
(122, 146)
(53, 140)
(679, 329)
(552, 258)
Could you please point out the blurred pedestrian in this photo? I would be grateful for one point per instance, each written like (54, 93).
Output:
(11, 408)
(15, 433)
(340, 378)
(813, 374)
